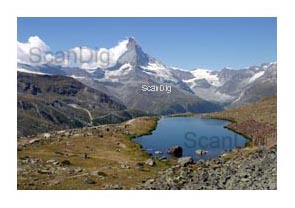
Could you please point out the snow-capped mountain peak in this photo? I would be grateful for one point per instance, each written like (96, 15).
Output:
(206, 74)
(134, 54)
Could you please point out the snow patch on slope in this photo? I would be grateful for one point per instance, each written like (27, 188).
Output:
(158, 70)
(190, 82)
(114, 75)
(179, 69)
(77, 77)
(204, 74)
(256, 76)
(30, 72)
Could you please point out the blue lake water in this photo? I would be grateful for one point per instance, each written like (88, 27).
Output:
(191, 133)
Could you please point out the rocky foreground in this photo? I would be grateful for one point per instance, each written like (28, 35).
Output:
(241, 169)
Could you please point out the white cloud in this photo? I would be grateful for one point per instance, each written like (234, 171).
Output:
(118, 51)
(37, 52)
(89, 59)
(34, 51)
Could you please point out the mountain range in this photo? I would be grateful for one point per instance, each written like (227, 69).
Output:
(123, 78)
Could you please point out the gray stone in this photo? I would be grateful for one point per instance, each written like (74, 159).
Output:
(254, 171)
(54, 162)
(150, 162)
(89, 181)
(66, 163)
(184, 161)
(46, 135)
(124, 165)
(175, 151)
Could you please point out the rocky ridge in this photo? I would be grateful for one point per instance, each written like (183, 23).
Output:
(248, 169)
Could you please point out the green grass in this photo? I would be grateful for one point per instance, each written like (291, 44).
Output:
(104, 164)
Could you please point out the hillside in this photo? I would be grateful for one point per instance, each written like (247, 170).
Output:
(257, 121)
(46, 103)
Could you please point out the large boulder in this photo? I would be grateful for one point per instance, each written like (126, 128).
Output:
(150, 162)
(175, 151)
(46, 135)
(184, 161)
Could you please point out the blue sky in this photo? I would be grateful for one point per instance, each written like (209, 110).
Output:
(188, 43)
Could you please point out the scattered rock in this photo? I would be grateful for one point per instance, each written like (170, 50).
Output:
(55, 182)
(201, 152)
(34, 141)
(78, 170)
(54, 162)
(42, 171)
(163, 158)
(60, 132)
(85, 155)
(150, 162)
(60, 153)
(89, 181)
(46, 135)
(175, 151)
(140, 166)
(184, 161)
(114, 187)
(124, 166)
(102, 174)
(250, 170)
(66, 163)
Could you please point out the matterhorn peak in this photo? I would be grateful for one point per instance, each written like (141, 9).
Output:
(132, 44)
(134, 55)
(131, 40)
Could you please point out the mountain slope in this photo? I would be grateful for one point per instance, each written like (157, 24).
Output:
(137, 69)
(234, 87)
(47, 103)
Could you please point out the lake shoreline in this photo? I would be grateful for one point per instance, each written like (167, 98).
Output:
(252, 167)
(162, 137)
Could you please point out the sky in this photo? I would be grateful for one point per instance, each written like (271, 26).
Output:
(188, 43)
